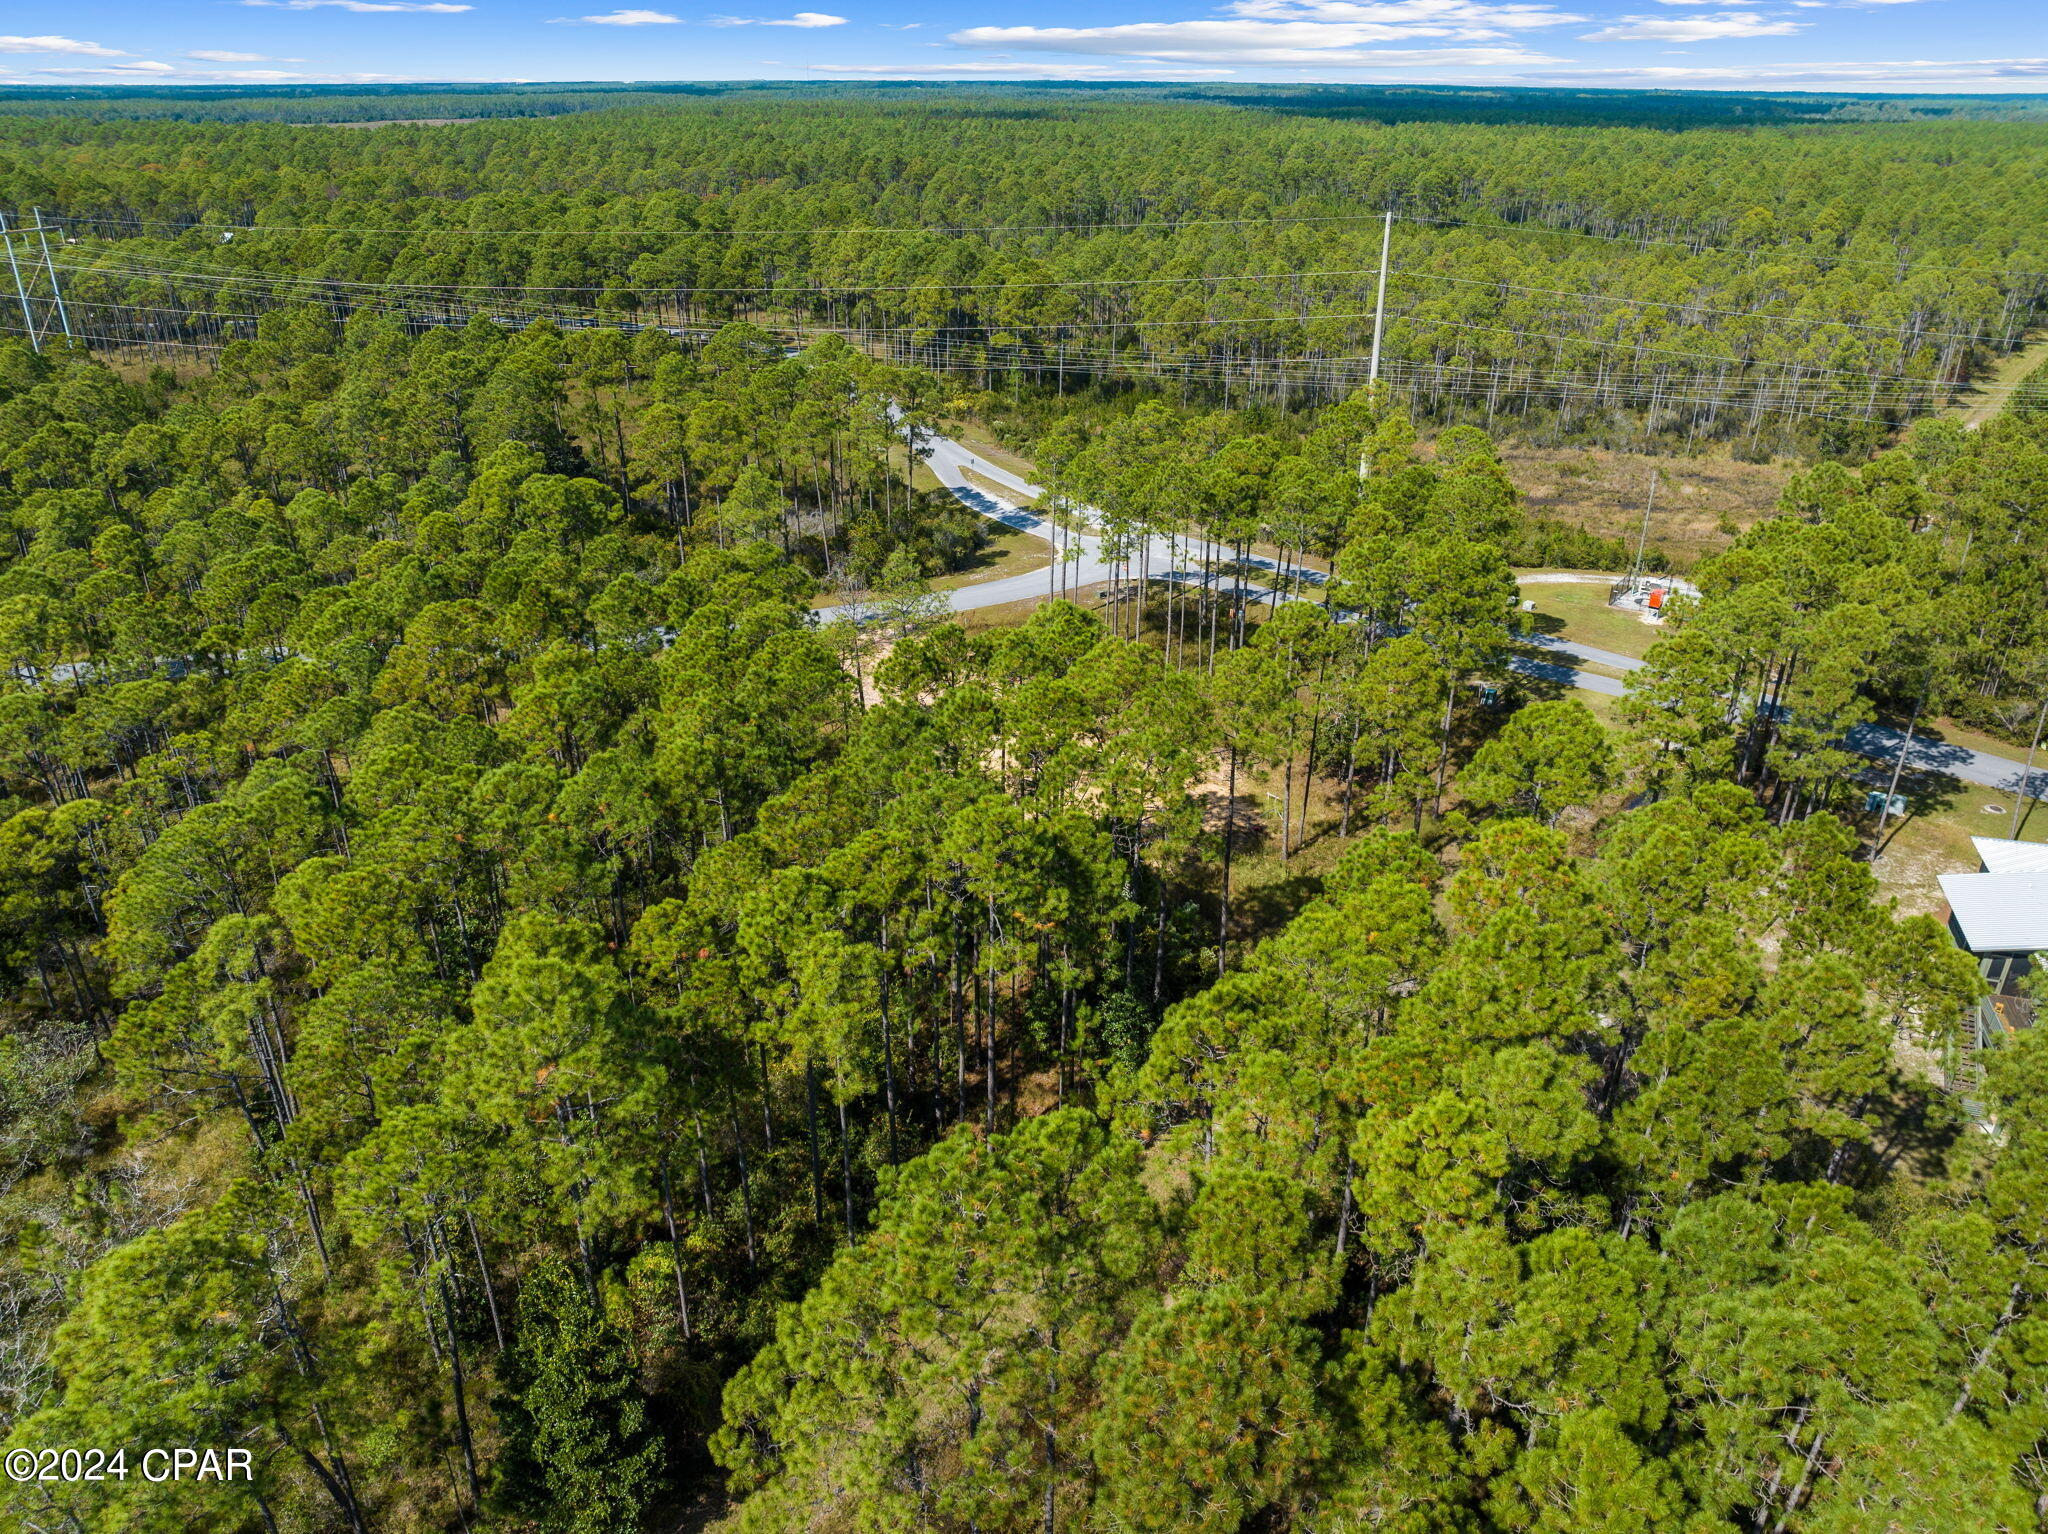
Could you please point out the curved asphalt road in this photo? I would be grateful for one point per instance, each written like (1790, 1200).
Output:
(1183, 561)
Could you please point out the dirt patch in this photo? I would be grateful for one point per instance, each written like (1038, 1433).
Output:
(1702, 503)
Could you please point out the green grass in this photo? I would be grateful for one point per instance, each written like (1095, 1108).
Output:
(1004, 555)
(1976, 740)
(976, 436)
(1580, 613)
(1601, 706)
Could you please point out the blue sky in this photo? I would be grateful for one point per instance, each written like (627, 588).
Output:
(1855, 45)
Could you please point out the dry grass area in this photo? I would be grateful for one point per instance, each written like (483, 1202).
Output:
(1701, 502)
(1984, 399)
(1935, 840)
(1010, 614)
(134, 364)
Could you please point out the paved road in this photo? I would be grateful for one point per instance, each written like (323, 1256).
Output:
(1179, 560)
(950, 461)
(1183, 561)
(1981, 767)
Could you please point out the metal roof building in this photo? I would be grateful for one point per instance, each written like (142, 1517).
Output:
(2000, 916)
(2001, 855)
(1996, 913)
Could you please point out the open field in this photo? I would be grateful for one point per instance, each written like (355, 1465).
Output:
(1578, 611)
(1701, 502)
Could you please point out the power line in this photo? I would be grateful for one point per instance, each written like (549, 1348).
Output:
(1774, 398)
(1658, 303)
(952, 230)
(853, 291)
(675, 231)
(1718, 250)
(1414, 321)
(851, 286)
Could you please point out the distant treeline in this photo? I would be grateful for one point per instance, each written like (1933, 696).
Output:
(1631, 283)
(328, 103)
(1556, 107)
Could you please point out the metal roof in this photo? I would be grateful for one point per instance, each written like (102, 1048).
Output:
(2002, 855)
(1999, 912)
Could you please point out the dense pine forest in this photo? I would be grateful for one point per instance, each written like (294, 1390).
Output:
(547, 984)
(1790, 285)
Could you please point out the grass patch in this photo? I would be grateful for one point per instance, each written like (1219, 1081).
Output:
(1602, 707)
(988, 486)
(1009, 614)
(1974, 405)
(976, 436)
(1005, 554)
(1579, 612)
(1951, 733)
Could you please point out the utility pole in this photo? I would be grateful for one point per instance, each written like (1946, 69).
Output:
(1379, 323)
(1635, 573)
(50, 266)
(1379, 308)
(28, 318)
(2026, 789)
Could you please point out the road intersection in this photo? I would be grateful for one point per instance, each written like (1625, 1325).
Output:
(1196, 561)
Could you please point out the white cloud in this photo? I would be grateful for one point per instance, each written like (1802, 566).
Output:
(1893, 74)
(633, 19)
(57, 45)
(800, 19)
(146, 67)
(1003, 69)
(1692, 29)
(1250, 42)
(359, 5)
(1289, 33)
(1414, 18)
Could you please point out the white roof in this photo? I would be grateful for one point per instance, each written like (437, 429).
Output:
(2002, 855)
(1999, 912)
